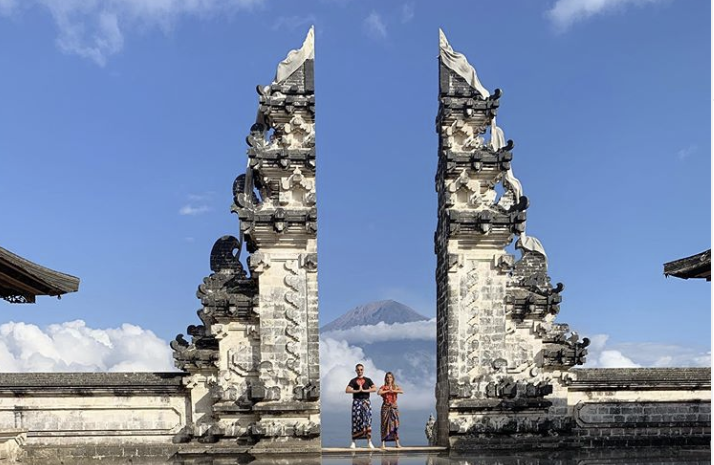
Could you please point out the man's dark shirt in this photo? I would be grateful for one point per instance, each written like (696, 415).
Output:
(366, 385)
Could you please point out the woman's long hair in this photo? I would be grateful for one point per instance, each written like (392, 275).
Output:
(394, 381)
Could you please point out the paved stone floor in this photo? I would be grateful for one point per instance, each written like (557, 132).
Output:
(418, 456)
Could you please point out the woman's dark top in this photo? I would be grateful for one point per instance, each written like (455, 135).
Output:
(355, 384)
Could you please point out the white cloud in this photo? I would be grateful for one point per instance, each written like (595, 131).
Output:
(615, 359)
(420, 330)
(665, 355)
(567, 12)
(95, 29)
(337, 362)
(643, 354)
(73, 346)
(197, 204)
(190, 210)
(686, 152)
(407, 12)
(374, 26)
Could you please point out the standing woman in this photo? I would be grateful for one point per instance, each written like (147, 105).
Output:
(390, 412)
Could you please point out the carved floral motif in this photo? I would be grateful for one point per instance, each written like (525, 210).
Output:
(298, 133)
(461, 136)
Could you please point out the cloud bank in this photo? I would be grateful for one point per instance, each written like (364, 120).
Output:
(337, 363)
(643, 354)
(341, 350)
(95, 29)
(73, 346)
(565, 13)
(416, 330)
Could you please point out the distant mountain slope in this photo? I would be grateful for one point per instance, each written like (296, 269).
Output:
(372, 313)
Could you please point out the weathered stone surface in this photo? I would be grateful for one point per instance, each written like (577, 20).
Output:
(641, 406)
(76, 409)
(504, 375)
(169, 382)
(12, 441)
(697, 379)
(253, 364)
(499, 350)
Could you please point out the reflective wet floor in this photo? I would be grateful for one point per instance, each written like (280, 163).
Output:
(633, 456)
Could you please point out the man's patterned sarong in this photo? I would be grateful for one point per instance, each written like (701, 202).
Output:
(361, 419)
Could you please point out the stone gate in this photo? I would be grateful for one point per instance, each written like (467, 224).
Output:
(504, 375)
(253, 363)
(249, 380)
(498, 347)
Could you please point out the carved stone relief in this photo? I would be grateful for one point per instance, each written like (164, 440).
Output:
(504, 351)
(251, 351)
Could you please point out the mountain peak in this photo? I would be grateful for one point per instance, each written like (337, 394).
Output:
(387, 311)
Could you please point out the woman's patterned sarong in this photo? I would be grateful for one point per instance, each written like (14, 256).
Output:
(361, 419)
(390, 422)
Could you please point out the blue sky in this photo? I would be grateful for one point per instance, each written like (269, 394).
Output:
(122, 128)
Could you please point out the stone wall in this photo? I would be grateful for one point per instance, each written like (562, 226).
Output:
(96, 413)
(641, 406)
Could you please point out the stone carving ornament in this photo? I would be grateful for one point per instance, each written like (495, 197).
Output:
(504, 351)
(458, 63)
(252, 347)
(462, 137)
(296, 134)
(296, 58)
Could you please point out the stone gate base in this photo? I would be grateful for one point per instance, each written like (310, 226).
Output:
(140, 416)
(605, 408)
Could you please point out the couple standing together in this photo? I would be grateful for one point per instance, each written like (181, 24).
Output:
(361, 387)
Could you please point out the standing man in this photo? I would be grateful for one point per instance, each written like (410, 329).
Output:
(360, 388)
